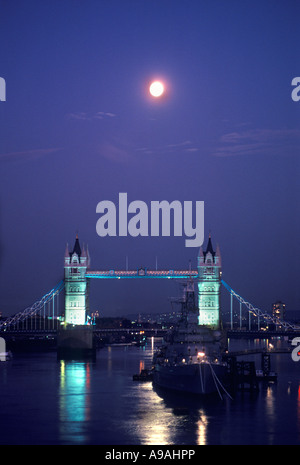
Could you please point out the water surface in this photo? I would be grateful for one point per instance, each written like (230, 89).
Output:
(48, 401)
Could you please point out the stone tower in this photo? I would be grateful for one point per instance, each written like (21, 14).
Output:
(209, 269)
(76, 289)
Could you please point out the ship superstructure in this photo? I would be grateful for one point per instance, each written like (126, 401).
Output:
(191, 360)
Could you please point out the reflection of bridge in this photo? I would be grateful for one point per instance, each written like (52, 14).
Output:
(46, 314)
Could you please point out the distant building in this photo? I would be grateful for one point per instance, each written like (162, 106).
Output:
(278, 310)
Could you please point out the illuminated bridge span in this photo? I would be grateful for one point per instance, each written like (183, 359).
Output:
(45, 313)
(143, 273)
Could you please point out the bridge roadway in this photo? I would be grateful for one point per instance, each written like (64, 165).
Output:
(30, 333)
(141, 273)
(156, 332)
(48, 337)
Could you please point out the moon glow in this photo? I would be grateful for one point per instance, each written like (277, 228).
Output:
(156, 89)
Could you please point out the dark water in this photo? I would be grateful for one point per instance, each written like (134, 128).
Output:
(46, 401)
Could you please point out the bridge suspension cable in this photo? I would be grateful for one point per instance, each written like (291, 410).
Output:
(39, 307)
(259, 313)
(34, 309)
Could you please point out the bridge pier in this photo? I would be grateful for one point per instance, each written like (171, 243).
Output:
(75, 341)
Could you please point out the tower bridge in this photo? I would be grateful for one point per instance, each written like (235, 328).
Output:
(207, 277)
(77, 275)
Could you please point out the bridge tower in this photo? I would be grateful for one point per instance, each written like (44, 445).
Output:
(209, 284)
(76, 286)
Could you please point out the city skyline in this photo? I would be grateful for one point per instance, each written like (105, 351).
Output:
(79, 127)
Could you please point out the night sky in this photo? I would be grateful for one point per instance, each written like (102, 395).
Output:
(78, 126)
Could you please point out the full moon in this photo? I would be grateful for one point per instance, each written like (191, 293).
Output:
(156, 89)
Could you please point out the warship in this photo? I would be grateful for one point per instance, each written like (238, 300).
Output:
(191, 359)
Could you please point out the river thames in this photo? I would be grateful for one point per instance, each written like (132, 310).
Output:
(55, 402)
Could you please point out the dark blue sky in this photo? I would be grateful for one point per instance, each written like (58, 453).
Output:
(79, 127)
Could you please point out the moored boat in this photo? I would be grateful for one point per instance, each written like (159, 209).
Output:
(5, 356)
(191, 360)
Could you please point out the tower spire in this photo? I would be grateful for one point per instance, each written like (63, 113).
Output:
(76, 248)
(209, 249)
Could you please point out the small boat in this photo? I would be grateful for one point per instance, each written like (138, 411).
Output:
(145, 375)
(5, 356)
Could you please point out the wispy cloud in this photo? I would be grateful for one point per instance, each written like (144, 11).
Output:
(258, 141)
(26, 155)
(90, 117)
(123, 153)
(114, 152)
(185, 143)
(103, 114)
(178, 147)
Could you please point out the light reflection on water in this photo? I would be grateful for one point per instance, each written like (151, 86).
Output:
(46, 401)
(136, 413)
(152, 424)
(74, 401)
(145, 415)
